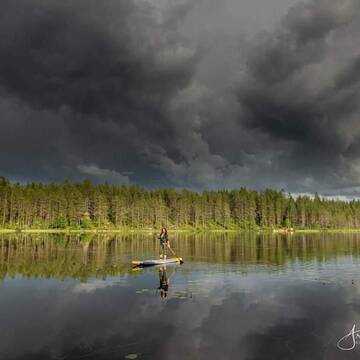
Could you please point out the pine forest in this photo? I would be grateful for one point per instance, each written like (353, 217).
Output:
(85, 205)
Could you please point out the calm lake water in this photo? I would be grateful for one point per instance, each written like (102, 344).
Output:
(236, 296)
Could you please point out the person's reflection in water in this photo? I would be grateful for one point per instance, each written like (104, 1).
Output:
(164, 281)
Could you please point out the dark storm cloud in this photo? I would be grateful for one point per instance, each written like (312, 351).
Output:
(97, 57)
(299, 88)
(275, 94)
(350, 76)
(106, 70)
(187, 94)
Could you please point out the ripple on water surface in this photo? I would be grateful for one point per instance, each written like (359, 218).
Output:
(240, 296)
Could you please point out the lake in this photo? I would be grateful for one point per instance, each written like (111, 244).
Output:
(237, 296)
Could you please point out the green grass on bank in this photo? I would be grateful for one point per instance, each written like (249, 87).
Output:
(176, 230)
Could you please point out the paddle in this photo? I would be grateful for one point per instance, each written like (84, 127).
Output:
(178, 257)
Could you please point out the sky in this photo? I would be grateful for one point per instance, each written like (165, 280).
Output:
(197, 94)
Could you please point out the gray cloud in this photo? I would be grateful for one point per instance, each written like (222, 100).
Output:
(107, 70)
(194, 94)
(298, 87)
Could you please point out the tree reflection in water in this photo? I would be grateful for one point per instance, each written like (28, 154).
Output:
(98, 256)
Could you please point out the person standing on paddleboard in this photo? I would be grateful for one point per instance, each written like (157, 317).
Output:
(164, 243)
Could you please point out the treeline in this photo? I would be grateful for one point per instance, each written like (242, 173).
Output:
(84, 205)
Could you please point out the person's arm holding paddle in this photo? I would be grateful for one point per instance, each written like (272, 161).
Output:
(173, 252)
(165, 244)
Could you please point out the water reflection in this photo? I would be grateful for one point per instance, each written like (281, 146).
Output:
(164, 281)
(84, 256)
(236, 296)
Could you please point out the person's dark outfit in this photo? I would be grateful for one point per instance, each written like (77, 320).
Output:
(163, 243)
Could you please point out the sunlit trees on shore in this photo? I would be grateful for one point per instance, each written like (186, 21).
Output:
(84, 205)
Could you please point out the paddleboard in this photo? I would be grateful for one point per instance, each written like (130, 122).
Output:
(156, 262)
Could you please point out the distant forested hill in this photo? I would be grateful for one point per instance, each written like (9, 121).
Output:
(84, 205)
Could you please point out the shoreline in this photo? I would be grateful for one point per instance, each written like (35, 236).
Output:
(189, 230)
